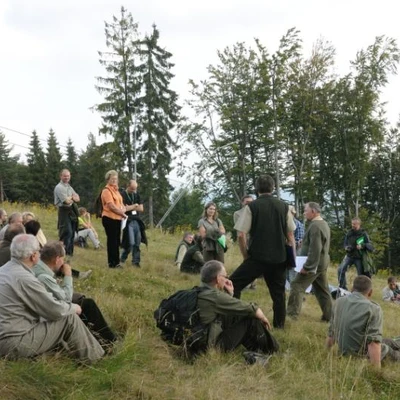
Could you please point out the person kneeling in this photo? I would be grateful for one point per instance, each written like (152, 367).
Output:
(52, 261)
(232, 322)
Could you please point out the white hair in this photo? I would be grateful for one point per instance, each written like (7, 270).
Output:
(23, 246)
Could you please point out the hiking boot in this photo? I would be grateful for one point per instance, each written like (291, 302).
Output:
(85, 275)
(252, 357)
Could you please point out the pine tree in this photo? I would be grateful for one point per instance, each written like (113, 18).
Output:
(53, 162)
(71, 159)
(36, 186)
(120, 88)
(158, 115)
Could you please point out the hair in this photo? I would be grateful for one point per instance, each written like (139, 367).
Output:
(32, 227)
(82, 210)
(314, 206)
(356, 219)
(392, 279)
(265, 184)
(210, 270)
(64, 170)
(51, 250)
(23, 246)
(186, 234)
(207, 206)
(26, 215)
(246, 196)
(12, 231)
(14, 216)
(110, 173)
(362, 284)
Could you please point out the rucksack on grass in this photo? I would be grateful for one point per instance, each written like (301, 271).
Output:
(178, 318)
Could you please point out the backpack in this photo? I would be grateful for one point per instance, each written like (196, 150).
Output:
(98, 204)
(178, 318)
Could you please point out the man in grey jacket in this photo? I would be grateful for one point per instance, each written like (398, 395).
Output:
(32, 322)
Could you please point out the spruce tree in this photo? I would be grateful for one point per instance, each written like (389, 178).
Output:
(36, 186)
(158, 115)
(120, 87)
(8, 184)
(53, 162)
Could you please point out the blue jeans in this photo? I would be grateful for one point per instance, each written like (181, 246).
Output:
(134, 242)
(344, 266)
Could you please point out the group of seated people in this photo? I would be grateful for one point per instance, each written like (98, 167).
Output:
(31, 321)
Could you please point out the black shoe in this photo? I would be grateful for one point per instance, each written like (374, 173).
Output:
(252, 357)
(116, 266)
(136, 265)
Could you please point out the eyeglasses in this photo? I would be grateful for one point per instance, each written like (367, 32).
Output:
(224, 276)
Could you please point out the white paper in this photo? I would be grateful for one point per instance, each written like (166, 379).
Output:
(300, 261)
(123, 223)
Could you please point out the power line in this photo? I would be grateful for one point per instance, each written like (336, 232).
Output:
(25, 134)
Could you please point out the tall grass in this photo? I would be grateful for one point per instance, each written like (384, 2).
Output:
(144, 367)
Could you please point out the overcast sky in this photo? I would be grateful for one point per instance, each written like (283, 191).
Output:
(49, 57)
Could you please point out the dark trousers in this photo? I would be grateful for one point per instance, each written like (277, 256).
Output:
(66, 230)
(249, 332)
(275, 278)
(94, 320)
(113, 233)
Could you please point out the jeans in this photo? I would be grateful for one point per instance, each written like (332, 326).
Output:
(344, 266)
(66, 230)
(88, 233)
(134, 241)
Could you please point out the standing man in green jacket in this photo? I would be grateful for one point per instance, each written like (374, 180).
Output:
(316, 244)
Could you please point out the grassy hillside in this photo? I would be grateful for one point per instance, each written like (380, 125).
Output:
(144, 367)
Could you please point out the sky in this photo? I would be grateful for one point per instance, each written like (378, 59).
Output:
(49, 50)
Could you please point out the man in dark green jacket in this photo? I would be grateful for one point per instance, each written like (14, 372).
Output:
(231, 321)
(316, 244)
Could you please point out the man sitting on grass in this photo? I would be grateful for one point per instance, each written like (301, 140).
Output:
(356, 325)
(231, 321)
(31, 321)
(52, 261)
(392, 291)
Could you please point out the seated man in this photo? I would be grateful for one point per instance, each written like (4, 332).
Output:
(182, 248)
(86, 229)
(31, 321)
(14, 219)
(231, 321)
(27, 217)
(356, 325)
(193, 259)
(51, 261)
(392, 291)
(3, 217)
(5, 244)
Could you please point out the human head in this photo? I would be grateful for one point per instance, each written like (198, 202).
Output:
(362, 284)
(65, 176)
(132, 186)
(356, 223)
(210, 210)
(82, 211)
(32, 227)
(392, 282)
(27, 216)
(15, 219)
(3, 216)
(12, 231)
(213, 273)
(265, 184)
(52, 254)
(188, 237)
(112, 177)
(311, 210)
(246, 199)
(25, 248)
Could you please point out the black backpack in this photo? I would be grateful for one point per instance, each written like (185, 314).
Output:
(98, 204)
(178, 317)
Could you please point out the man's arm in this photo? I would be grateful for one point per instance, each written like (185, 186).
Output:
(374, 353)
(314, 250)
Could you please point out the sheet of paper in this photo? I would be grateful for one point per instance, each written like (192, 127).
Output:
(123, 223)
(300, 260)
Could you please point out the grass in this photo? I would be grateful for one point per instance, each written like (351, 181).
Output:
(144, 367)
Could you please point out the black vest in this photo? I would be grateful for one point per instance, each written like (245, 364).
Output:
(268, 230)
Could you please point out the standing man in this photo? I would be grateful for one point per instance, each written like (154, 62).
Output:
(65, 199)
(271, 226)
(355, 241)
(134, 232)
(316, 247)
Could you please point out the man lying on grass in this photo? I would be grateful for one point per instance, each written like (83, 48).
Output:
(356, 325)
(31, 321)
(231, 321)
